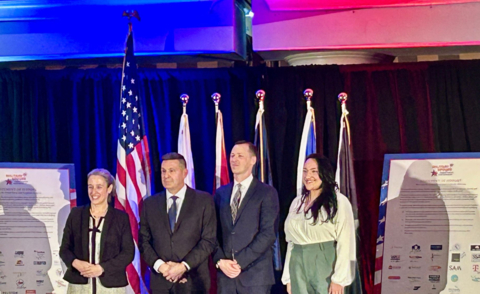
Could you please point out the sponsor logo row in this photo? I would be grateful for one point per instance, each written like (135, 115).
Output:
(455, 257)
(437, 247)
(39, 254)
(431, 278)
(20, 262)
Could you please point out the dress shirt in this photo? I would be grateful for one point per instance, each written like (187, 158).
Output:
(181, 196)
(245, 185)
(299, 230)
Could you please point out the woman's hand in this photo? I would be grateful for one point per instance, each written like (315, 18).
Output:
(289, 288)
(80, 265)
(93, 271)
(335, 289)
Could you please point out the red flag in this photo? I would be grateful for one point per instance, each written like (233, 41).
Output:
(221, 178)
(221, 166)
(133, 163)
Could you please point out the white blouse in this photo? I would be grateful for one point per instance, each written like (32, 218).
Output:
(298, 230)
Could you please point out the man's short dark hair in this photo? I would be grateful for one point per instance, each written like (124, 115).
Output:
(251, 148)
(175, 156)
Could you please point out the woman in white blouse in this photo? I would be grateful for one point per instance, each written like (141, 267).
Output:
(320, 233)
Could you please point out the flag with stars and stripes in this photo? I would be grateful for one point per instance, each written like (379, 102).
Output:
(133, 163)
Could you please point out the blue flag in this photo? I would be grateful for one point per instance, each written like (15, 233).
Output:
(308, 144)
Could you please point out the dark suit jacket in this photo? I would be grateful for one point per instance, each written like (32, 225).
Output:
(252, 236)
(193, 239)
(116, 246)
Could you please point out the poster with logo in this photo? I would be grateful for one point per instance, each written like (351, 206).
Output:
(35, 201)
(429, 224)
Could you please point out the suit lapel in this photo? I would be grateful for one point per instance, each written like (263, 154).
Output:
(226, 209)
(162, 206)
(248, 196)
(186, 207)
(107, 224)
(85, 236)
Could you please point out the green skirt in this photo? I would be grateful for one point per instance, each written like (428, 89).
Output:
(311, 267)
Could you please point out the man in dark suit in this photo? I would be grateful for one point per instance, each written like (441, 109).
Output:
(247, 212)
(178, 232)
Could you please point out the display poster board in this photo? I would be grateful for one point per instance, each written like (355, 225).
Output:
(35, 200)
(429, 224)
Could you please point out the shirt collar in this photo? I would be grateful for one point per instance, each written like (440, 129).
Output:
(180, 194)
(245, 183)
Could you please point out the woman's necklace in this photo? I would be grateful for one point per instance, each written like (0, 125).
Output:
(98, 215)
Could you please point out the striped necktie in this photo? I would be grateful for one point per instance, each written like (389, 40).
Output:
(236, 202)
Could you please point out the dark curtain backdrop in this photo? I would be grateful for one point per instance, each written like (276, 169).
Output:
(72, 115)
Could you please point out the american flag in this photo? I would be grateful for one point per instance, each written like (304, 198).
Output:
(133, 164)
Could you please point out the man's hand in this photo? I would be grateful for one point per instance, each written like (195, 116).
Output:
(175, 272)
(335, 289)
(230, 268)
(163, 268)
(289, 288)
(93, 271)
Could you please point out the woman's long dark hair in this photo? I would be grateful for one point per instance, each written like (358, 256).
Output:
(327, 198)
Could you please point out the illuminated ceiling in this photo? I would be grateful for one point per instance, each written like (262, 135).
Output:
(283, 5)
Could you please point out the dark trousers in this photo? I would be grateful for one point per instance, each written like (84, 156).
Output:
(176, 291)
(253, 290)
(226, 285)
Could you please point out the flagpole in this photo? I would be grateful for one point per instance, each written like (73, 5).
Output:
(216, 97)
(129, 192)
(260, 94)
(308, 93)
(129, 14)
(184, 98)
(343, 97)
(345, 178)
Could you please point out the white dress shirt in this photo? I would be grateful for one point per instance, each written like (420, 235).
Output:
(298, 230)
(245, 185)
(181, 196)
